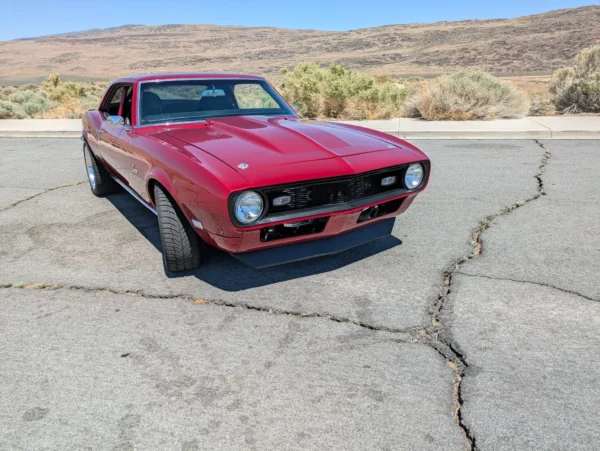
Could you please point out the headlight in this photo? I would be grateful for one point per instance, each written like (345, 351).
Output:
(413, 176)
(248, 207)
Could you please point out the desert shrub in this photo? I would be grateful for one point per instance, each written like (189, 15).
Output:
(63, 91)
(383, 78)
(7, 91)
(467, 95)
(90, 103)
(302, 87)
(378, 102)
(253, 96)
(32, 102)
(577, 88)
(72, 99)
(53, 99)
(541, 105)
(9, 110)
(337, 92)
(70, 109)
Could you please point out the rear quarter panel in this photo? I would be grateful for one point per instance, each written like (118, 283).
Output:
(92, 121)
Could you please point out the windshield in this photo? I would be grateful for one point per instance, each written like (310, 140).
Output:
(191, 100)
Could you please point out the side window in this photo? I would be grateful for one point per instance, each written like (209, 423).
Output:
(127, 105)
(111, 108)
(252, 95)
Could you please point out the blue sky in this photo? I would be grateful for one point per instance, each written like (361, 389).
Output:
(41, 17)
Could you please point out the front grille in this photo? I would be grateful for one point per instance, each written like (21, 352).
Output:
(339, 190)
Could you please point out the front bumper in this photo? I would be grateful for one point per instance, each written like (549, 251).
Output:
(339, 224)
(317, 247)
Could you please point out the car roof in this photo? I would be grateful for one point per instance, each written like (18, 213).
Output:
(184, 75)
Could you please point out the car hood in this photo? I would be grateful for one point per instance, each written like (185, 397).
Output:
(261, 142)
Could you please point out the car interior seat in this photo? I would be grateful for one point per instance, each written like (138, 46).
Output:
(151, 104)
(212, 103)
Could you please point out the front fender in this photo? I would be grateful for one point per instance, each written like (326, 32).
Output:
(159, 175)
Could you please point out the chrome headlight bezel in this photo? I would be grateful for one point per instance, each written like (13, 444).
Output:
(414, 173)
(248, 200)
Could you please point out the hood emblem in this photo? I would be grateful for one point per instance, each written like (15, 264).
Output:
(243, 166)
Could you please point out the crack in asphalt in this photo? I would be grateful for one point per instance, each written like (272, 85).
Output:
(415, 335)
(69, 185)
(218, 302)
(449, 350)
(532, 282)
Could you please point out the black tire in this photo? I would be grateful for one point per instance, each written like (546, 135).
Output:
(182, 247)
(101, 183)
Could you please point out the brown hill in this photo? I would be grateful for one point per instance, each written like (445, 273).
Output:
(531, 44)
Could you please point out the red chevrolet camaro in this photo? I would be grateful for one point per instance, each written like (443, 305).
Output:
(223, 160)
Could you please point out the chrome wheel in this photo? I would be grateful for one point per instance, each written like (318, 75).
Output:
(91, 177)
(100, 182)
(89, 164)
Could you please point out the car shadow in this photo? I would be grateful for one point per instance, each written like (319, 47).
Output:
(223, 271)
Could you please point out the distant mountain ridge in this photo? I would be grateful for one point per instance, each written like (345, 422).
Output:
(531, 44)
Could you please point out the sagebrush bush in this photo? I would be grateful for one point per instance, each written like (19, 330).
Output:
(72, 99)
(468, 95)
(577, 88)
(53, 99)
(32, 102)
(337, 92)
(9, 110)
(7, 91)
(65, 91)
(541, 105)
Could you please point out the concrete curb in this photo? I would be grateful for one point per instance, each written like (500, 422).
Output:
(559, 135)
(555, 127)
(38, 134)
(572, 134)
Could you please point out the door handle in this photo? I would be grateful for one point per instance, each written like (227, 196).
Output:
(100, 131)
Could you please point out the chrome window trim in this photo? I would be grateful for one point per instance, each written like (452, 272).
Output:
(160, 124)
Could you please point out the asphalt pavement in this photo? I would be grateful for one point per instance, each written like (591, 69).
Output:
(475, 326)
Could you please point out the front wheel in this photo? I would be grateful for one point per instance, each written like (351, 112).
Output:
(182, 247)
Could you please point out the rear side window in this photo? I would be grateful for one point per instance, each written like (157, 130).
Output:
(111, 107)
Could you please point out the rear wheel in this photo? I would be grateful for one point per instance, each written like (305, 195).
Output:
(182, 247)
(101, 183)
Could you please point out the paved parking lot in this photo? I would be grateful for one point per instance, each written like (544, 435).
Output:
(475, 326)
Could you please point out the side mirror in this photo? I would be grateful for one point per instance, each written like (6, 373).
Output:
(115, 120)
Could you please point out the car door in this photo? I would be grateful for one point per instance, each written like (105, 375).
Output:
(114, 135)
